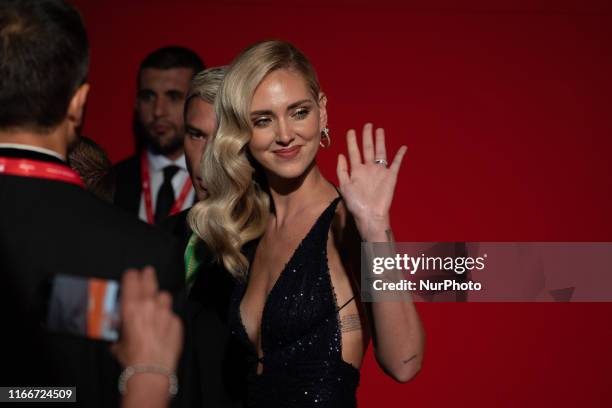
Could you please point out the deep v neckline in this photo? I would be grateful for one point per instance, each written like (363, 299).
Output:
(276, 283)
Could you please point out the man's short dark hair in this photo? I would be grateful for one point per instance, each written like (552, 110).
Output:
(44, 55)
(172, 57)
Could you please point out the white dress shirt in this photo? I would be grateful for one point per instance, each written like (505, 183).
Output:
(157, 162)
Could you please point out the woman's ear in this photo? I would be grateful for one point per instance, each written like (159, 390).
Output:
(323, 109)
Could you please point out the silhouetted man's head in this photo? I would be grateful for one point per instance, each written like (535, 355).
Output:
(44, 56)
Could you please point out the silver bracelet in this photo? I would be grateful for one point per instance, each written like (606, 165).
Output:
(128, 372)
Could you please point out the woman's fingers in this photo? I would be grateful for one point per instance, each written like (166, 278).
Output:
(130, 287)
(368, 144)
(150, 331)
(149, 282)
(353, 149)
(371, 152)
(342, 170)
(397, 161)
(164, 300)
(381, 149)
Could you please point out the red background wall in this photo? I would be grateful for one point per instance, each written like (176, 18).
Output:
(506, 111)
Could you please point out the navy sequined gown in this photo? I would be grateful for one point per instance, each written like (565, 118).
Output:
(300, 333)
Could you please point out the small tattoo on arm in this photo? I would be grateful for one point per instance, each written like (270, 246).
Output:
(408, 360)
(350, 323)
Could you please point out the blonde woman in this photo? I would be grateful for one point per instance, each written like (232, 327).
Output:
(291, 240)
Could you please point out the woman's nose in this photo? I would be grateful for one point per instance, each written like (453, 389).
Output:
(284, 134)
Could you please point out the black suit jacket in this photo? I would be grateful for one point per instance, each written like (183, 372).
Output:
(128, 189)
(50, 227)
(178, 227)
(214, 363)
(129, 184)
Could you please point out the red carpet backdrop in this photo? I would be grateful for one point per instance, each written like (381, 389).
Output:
(506, 109)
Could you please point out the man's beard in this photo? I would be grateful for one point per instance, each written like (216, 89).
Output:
(165, 146)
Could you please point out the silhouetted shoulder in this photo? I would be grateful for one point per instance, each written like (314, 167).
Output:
(128, 165)
(128, 184)
(146, 244)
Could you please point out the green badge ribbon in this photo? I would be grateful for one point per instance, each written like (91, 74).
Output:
(194, 254)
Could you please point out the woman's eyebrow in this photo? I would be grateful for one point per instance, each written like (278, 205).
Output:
(290, 107)
(261, 112)
(298, 103)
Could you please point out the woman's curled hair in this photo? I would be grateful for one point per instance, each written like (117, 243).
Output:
(237, 206)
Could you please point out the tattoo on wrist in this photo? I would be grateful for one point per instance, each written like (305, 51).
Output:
(409, 359)
(350, 323)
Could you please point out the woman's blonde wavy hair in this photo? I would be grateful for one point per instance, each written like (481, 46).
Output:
(237, 207)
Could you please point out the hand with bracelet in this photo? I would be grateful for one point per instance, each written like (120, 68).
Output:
(151, 341)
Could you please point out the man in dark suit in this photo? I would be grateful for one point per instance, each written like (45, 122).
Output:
(216, 364)
(49, 224)
(154, 183)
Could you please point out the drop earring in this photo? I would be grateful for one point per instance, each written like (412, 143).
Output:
(325, 136)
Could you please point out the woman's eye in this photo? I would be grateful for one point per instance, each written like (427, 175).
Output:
(301, 113)
(261, 122)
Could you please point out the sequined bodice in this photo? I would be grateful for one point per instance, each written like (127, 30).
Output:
(300, 333)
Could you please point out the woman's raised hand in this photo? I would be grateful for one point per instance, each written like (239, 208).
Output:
(368, 188)
(150, 332)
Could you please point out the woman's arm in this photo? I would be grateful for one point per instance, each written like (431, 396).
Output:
(398, 334)
(368, 192)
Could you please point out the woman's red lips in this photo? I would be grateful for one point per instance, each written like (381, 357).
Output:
(288, 153)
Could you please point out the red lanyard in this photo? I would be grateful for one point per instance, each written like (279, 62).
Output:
(146, 189)
(39, 169)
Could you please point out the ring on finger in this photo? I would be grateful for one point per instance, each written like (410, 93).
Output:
(381, 161)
